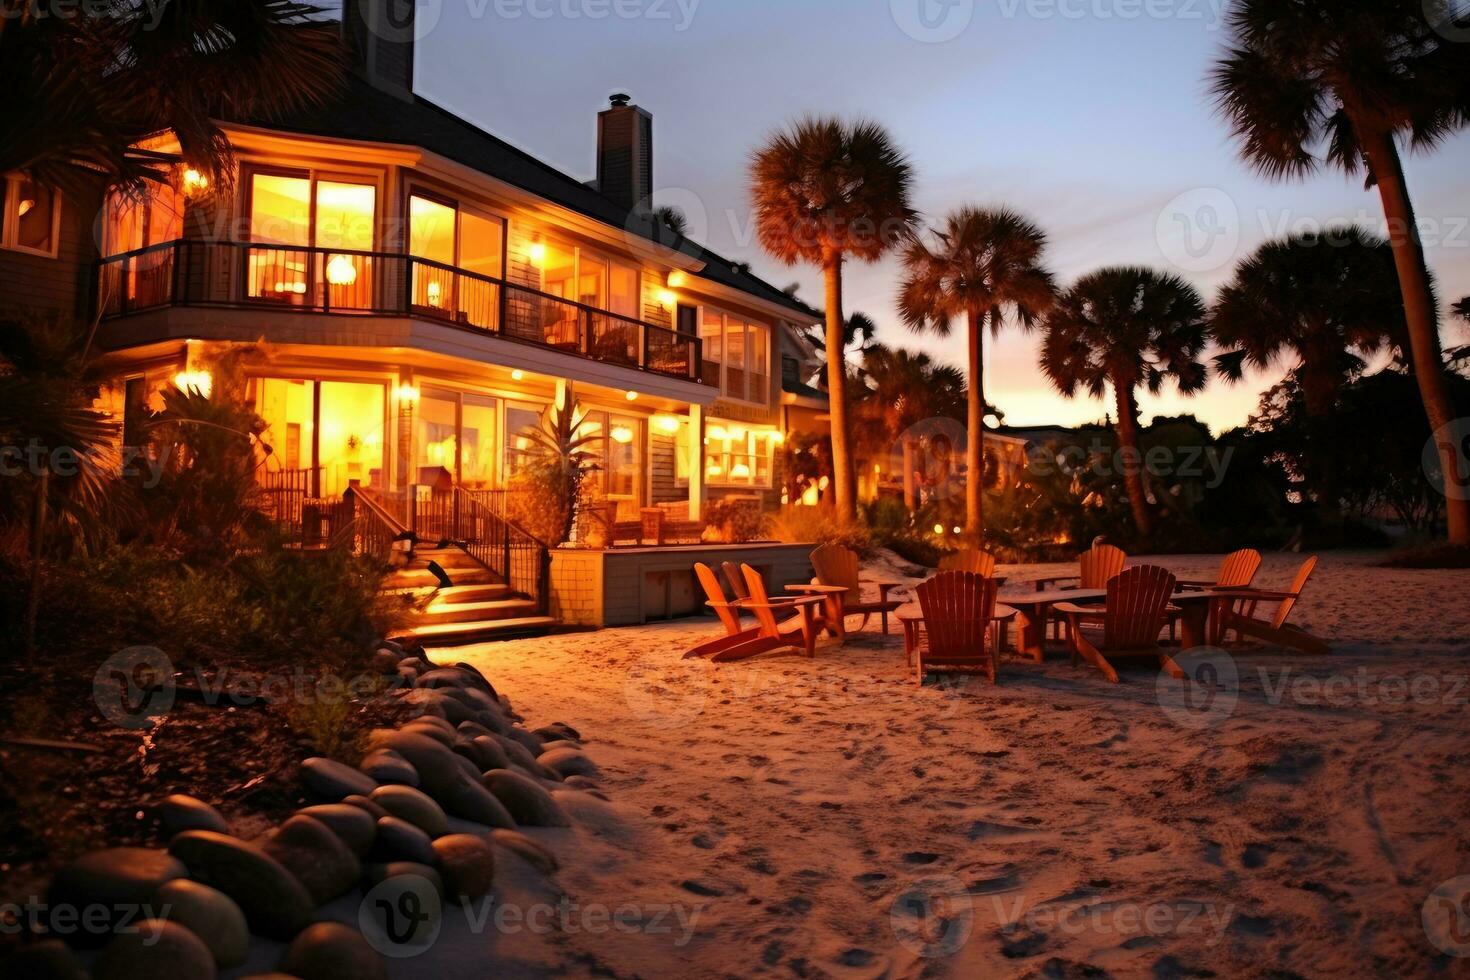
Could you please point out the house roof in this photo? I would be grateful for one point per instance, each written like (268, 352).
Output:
(362, 112)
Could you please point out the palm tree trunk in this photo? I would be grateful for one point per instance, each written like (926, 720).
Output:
(910, 500)
(1319, 403)
(1423, 319)
(1133, 470)
(844, 475)
(975, 443)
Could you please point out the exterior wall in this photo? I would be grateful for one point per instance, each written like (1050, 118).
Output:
(61, 285)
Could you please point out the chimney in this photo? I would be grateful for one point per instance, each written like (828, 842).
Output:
(625, 154)
(380, 36)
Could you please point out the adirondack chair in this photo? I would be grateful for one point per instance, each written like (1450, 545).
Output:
(1237, 571)
(767, 634)
(956, 636)
(1137, 604)
(969, 560)
(735, 579)
(1276, 629)
(839, 566)
(1095, 567)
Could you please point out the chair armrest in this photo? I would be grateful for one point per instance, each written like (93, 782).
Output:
(1042, 583)
(1073, 610)
(782, 603)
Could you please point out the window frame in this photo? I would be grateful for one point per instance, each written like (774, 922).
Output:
(9, 228)
(459, 206)
(746, 323)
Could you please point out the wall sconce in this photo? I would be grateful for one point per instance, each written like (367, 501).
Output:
(435, 292)
(777, 438)
(740, 471)
(667, 299)
(939, 529)
(194, 183)
(632, 396)
(668, 424)
(342, 271)
(718, 433)
(537, 253)
(517, 375)
(677, 279)
(622, 435)
(407, 395)
(196, 382)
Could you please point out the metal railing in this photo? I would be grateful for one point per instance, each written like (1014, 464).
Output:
(365, 526)
(251, 275)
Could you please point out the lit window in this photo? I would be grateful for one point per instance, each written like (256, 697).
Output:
(289, 215)
(736, 356)
(738, 456)
(31, 217)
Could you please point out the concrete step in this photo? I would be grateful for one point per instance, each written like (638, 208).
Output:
(420, 578)
(449, 558)
(470, 612)
(481, 631)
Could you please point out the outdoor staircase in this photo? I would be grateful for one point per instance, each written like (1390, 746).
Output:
(478, 608)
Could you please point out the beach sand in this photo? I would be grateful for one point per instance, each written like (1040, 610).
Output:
(829, 817)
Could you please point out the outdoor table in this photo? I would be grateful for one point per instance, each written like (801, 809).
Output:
(911, 615)
(1194, 607)
(1031, 612)
(832, 595)
(1044, 584)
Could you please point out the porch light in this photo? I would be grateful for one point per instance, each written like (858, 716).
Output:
(667, 423)
(407, 394)
(958, 530)
(25, 207)
(517, 375)
(632, 396)
(677, 279)
(537, 253)
(194, 182)
(667, 299)
(342, 271)
(622, 434)
(198, 382)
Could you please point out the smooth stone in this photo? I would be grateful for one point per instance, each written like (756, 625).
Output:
(530, 741)
(399, 840)
(484, 751)
(332, 780)
(427, 731)
(570, 762)
(318, 858)
(417, 663)
(275, 903)
(422, 704)
(209, 914)
(417, 808)
(376, 874)
(560, 743)
(527, 802)
(444, 677)
(455, 711)
(393, 645)
(387, 766)
(526, 849)
(384, 662)
(472, 729)
(518, 753)
(479, 679)
(109, 879)
(355, 825)
(49, 959)
(332, 951)
(494, 721)
(179, 813)
(452, 780)
(155, 949)
(558, 730)
(467, 864)
(583, 783)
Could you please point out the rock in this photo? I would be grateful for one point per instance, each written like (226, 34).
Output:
(560, 743)
(399, 840)
(530, 741)
(318, 858)
(155, 949)
(467, 865)
(475, 699)
(558, 730)
(527, 802)
(275, 903)
(49, 959)
(586, 783)
(570, 762)
(376, 874)
(393, 645)
(526, 849)
(518, 753)
(444, 677)
(109, 886)
(355, 825)
(428, 731)
(362, 802)
(387, 766)
(332, 951)
(209, 914)
(384, 662)
(179, 813)
(418, 664)
(471, 730)
(422, 704)
(332, 780)
(478, 679)
(454, 710)
(451, 780)
(407, 675)
(417, 808)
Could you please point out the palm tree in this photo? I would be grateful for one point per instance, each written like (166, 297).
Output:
(825, 192)
(1342, 83)
(1123, 327)
(83, 90)
(982, 264)
(1324, 305)
(900, 389)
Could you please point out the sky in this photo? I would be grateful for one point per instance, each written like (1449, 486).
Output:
(1089, 116)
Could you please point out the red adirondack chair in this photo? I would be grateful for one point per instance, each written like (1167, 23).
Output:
(1137, 604)
(956, 636)
(739, 642)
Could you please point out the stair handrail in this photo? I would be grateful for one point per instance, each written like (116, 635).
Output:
(521, 559)
(368, 527)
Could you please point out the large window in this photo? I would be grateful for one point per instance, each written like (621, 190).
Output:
(455, 439)
(596, 281)
(331, 429)
(737, 356)
(32, 217)
(290, 214)
(618, 440)
(739, 456)
(452, 238)
(135, 222)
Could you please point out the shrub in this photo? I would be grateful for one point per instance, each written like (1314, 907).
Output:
(1430, 556)
(734, 521)
(818, 526)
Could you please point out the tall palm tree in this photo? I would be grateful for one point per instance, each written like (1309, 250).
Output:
(82, 90)
(982, 265)
(1126, 327)
(1307, 83)
(826, 192)
(1322, 306)
(900, 389)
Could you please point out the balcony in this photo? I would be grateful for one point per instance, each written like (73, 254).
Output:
(243, 275)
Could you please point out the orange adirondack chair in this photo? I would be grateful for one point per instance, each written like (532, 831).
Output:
(767, 634)
(1237, 571)
(1137, 604)
(969, 560)
(735, 580)
(1095, 567)
(838, 566)
(956, 634)
(1276, 629)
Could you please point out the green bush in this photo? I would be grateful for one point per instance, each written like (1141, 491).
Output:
(818, 526)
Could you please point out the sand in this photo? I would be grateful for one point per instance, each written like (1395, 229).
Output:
(830, 817)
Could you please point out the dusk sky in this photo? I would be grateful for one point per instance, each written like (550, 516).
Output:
(1090, 116)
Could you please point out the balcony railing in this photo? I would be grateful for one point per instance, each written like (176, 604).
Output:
(320, 280)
